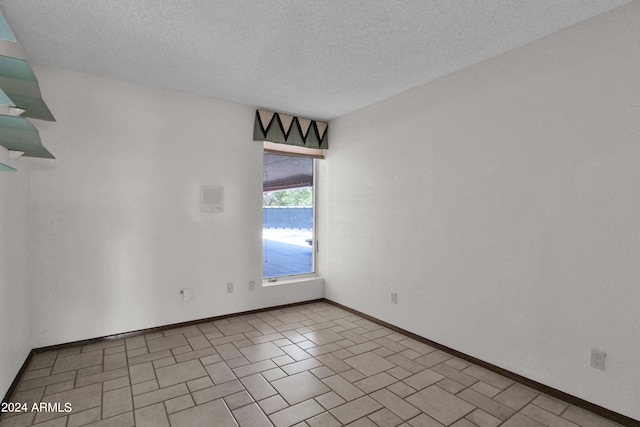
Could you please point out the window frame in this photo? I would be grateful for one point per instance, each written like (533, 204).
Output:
(314, 156)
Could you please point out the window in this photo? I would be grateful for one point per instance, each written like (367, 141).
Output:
(287, 215)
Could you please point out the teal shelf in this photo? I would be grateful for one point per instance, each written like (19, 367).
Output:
(19, 89)
(6, 168)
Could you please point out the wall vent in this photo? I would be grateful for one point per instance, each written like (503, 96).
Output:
(211, 199)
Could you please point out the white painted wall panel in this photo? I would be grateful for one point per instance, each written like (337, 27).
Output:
(15, 290)
(117, 227)
(501, 203)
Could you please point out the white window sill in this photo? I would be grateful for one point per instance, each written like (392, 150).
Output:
(292, 280)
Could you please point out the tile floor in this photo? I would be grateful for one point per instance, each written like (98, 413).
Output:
(309, 365)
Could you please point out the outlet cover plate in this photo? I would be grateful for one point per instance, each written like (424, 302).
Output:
(230, 287)
(597, 359)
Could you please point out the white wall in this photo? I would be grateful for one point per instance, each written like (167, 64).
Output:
(502, 204)
(15, 292)
(116, 227)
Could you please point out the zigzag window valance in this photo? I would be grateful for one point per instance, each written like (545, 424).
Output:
(291, 130)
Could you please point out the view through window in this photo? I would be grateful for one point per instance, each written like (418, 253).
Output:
(287, 216)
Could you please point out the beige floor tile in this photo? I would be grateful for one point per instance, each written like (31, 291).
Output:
(258, 387)
(586, 418)
(161, 363)
(516, 397)
(330, 400)
(197, 354)
(179, 403)
(236, 328)
(322, 372)
(42, 360)
(355, 409)
(391, 345)
(198, 342)
(213, 413)
(180, 372)
(116, 383)
(77, 361)
(363, 347)
(274, 374)
(273, 337)
(251, 416)
(375, 382)
(333, 363)
(259, 352)
(84, 417)
(37, 373)
(152, 416)
(29, 396)
(253, 368)
(519, 420)
(454, 374)
(401, 389)
(220, 373)
(369, 363)
(488, 405)
(149, 357)
(273, 404)
(433, 358)
(485, 389)
(323, 420)
(450, 386)
(385, 418)
(463, 423)
(144, 387)
(440, 405)
(406, 363)
(80, 399)
(305, 366)
(299, 387)
(166, 343)
(295, 352)
(324, 349)
(142, 372)
(217, 392)
(491, 378)
(238, 400)
(63, 386)
(424, 420)
(397, 405)
(160, 395)
(545, 417)
(352, 375)
(17, 419)
(114, 361)
(483, 419)
(323, 337)
(550, 404)
(116, 402)
(423, 379)
(297, 413)
(417, 346)
(228, 351)
(343, 388)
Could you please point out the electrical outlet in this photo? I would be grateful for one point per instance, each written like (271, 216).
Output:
(230, 287)
(394, 297)
(597, 359)
(252, 285)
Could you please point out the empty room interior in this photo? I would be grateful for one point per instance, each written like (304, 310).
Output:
(472, 256)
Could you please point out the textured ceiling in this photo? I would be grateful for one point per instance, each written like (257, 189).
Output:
(319, 59)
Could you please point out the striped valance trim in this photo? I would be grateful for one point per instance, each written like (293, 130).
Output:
(291, 130)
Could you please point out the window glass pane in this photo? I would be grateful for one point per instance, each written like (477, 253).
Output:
(287, 215)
